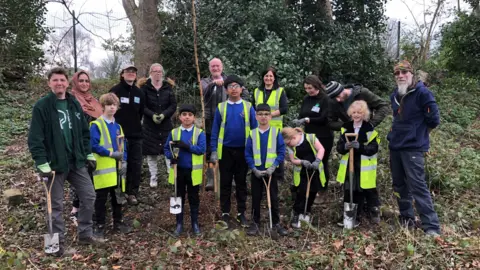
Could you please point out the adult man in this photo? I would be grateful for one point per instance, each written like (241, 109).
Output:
(59, 141)
(129, 116)
(344, 96)
(415, 114)
(214, 93)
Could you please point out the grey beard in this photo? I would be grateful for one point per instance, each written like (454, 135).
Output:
(402, 89)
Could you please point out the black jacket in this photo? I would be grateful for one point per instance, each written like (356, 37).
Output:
(318, 120)
(132, 102)
(161, 102)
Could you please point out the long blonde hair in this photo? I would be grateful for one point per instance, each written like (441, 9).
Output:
(289, 132)
(363, 108)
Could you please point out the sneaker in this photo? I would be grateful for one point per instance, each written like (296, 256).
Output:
(340, 222)
(74, 218)
(320, 199)
(253, 229)
(99, 231)
(375, 215)
(280, 229)
(242, 220)
(121, 227)
(132, 200)
(295, 222)
(153, 183)
(90, 240)
(226, 219)
(432, 233)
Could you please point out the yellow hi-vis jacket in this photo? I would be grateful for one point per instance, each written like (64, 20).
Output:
(274, 103)
(222, 108)
(298, 168)
(271, 147)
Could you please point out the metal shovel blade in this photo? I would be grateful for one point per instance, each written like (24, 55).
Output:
(175, 205)
(51, 243)
(349, 215)
(304, 218)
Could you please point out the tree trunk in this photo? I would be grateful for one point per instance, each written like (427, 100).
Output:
(146, 29)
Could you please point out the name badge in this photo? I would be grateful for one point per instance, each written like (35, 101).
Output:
(136, 100)
(125, 100)
(316, 109)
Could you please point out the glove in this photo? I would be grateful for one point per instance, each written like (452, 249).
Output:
(298, 122)
(306, 163)
(270, 170)
(315, 164)
(173, 161)
(44, 172)
(348, 145)
(355, 144)
(158, 118)
(123, 169)
(91, 163)
(117, 155)
(181, 145)
(213, 157)
(258, 174)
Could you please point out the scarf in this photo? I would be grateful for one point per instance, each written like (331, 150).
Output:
(89, 104)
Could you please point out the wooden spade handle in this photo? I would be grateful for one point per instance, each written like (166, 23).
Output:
(350, 162)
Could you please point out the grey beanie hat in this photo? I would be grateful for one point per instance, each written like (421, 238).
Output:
(334, 89)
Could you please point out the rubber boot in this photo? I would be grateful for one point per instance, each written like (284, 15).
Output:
(194, 218)
(210, 179)
(179, 228)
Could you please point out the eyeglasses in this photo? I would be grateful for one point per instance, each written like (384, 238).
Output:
(396, 73)
(264, 114)
(234, 86)
(81, 80)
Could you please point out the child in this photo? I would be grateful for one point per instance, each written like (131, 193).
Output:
(264, 152)
(103, 137)
(306, 153)
(365, 161)
(233, 121)
(192, 145)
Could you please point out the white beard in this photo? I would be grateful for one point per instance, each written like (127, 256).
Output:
(402, 88)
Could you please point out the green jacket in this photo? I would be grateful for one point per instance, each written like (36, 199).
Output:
(379, 108)
(45, 140)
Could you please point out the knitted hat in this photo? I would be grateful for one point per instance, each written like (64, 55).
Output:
(334, 89)
(263, 107)
(403, 65)
(233, 79)
(187, 108)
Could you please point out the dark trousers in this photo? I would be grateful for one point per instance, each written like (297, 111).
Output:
(100, 205)
(134, 166)
(327, 143)
(359, 197)
(184, 185)
(408, 175)
(233, 166)
(257, 193)
(208, 136)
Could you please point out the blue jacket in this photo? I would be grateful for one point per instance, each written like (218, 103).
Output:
(263, 151)
(414, 115)
(185, 156)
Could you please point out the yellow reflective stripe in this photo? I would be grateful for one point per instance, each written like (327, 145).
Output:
(197, 160)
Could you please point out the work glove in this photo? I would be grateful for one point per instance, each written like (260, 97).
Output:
(213, 157)
(181, 145)
(123, 169)
(355, 144)
(299, 122)
(258, 174)
(315, 164)
(117, 155)
(348, 145)
(270, 170)
(306, 163)
(91, 163)
(158, 118)
(44, 172)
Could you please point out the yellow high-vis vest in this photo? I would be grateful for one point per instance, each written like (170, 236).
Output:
(197, 160)
(105, 175)
(274, 103)
(222, 107)
(298, 168)
(271, 147)
(368, 165)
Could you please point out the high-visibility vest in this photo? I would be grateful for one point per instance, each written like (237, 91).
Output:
(298, 168)
(222, 108)
(368, 165)
(197, 160)
(105, 175)
(274, 103)
(271, 147)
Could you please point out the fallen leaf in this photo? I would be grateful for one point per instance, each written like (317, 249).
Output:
(178, 244)
(136, 224)
(210, 267)
(190, 254)
(115, 256)
(77, 257)
(338, 244)
(116, 267)
(369, 250)
(228, 267)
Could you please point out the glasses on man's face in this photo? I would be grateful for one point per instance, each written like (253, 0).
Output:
(83, 81)
(233, 86)
(398, 72)
(263, 114)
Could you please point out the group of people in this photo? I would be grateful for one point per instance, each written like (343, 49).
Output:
(98, 146)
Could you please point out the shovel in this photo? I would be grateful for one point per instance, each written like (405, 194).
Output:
(273, 233)
(216, 183)
(350, 209)
(175, 202)
(120, 189)
(52, 240)
(304, 217)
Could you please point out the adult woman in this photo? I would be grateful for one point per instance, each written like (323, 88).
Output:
(91, 109)
(160, 105)
(314, 114)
